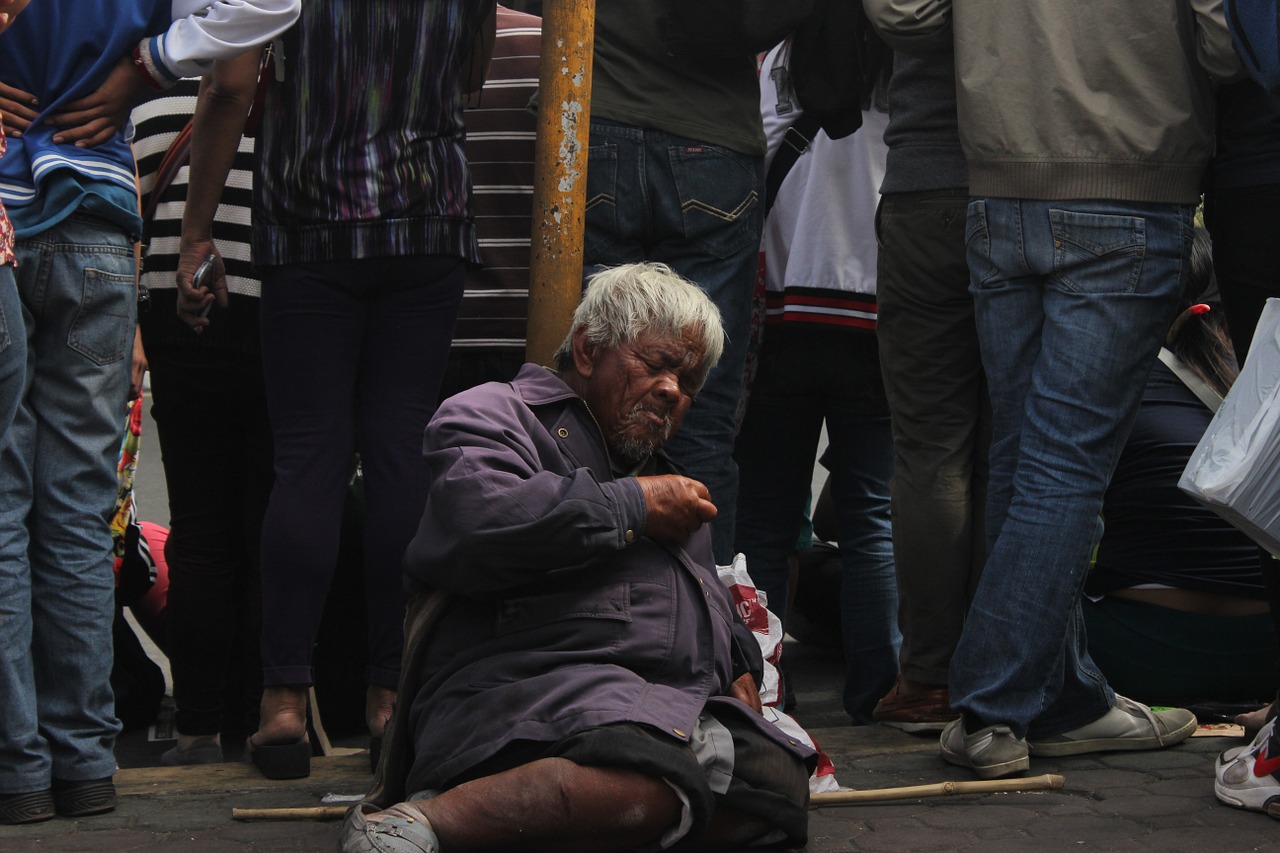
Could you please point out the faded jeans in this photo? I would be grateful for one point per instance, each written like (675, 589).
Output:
(57, 488)
(1073, 300)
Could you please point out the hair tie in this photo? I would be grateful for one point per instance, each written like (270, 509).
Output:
(1191, 311)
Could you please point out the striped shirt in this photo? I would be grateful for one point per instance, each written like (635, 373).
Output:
(500, 144)
(156, 123)
(360, 152)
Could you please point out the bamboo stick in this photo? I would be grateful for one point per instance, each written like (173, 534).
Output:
(837, 798)
(938, 789)
(306, 813)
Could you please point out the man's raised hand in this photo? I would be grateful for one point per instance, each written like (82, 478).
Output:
(675, 506)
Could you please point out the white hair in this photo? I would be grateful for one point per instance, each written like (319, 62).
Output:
(622, 302)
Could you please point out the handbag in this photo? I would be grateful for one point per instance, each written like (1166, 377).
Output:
(1235, 469)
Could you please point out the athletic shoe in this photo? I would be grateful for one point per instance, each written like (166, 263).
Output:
(1246, 776)
(399, 829)
(1129, 725)
(84, 797)
(991, 752)
(203, 750)
(26, 808)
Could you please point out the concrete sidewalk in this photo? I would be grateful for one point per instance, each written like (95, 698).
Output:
(1123, 801)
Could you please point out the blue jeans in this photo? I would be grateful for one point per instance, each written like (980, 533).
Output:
(652, 196)
(1073, 300)
(806, 376)
(57, 487)
(13, 361)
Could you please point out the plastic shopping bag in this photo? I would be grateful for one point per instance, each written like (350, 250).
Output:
(751, 604)
(1235, 469)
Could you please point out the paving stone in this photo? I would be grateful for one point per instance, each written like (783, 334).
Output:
(920, 839)
(1160, 800)
(978, 813)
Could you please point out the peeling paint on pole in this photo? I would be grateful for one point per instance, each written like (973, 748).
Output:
(559, 192)
(570, 147)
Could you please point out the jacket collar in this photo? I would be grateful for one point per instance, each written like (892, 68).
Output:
(538, 386)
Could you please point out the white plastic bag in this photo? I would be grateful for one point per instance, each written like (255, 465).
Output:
(1235, 469)
(751, 604)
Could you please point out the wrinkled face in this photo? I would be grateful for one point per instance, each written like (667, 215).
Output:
(640, 390)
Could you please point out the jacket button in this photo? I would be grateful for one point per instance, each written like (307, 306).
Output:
(679, 733)
(630, 536)
(562, 432)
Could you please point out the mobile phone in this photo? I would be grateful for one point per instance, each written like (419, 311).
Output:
(204, 278)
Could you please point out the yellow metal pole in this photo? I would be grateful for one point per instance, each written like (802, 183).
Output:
(560, 181)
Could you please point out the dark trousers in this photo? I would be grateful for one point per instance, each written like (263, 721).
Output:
(211, 417)
(937, 394)
(353, 353)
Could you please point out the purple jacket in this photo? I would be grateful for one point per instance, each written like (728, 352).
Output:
(564, 616)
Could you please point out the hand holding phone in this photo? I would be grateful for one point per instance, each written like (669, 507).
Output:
(204, 278)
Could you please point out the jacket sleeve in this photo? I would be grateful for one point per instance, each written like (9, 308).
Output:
(915, 26)
(1214, 49)
(204, 31)
(496, 519)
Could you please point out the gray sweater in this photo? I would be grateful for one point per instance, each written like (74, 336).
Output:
(923, 137)
(1110, 99)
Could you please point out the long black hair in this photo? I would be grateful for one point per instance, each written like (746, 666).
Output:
(1201, 341)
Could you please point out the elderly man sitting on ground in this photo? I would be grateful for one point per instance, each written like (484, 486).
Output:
(589, 686)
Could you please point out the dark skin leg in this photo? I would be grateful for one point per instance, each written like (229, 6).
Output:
(555, 805)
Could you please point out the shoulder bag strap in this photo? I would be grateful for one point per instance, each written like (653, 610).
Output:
(1194, 383)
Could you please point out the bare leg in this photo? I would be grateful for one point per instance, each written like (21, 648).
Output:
(1255, 720)
(554, 805)
(282, 716)
(378, 703)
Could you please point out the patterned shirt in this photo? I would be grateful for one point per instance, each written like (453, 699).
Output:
(360, 154)
(6, 227)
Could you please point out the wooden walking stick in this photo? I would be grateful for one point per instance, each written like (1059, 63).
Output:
(938, 789)
(306, 813)
(837, 798)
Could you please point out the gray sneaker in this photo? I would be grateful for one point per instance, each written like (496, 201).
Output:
(1128, 725)
(991, 752)
(399, 829)
(203, 750)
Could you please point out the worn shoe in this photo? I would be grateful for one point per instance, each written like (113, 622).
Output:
(399, 829)
(26, 808)
(1129, 725)
(990, 752)
(280, 760)
(83, 798)
(1246, 776)
(203, 750)
(924, 711)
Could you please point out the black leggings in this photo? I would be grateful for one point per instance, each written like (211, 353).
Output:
(353, 353)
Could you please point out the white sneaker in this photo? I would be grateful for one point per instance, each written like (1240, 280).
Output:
(1246, 776)
(1128, 725)
(990, 752)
